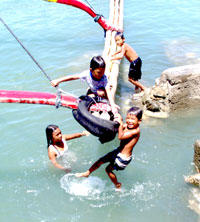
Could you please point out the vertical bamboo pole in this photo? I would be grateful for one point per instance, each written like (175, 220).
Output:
(116, 19)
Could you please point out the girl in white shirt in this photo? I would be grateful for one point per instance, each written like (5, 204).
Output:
(56, 143)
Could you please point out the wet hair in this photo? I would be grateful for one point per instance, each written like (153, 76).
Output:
(97, 62)
(49, 131)
(135, 111)
(120, 34)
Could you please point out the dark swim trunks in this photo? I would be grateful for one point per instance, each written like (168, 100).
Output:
(135, 69)
(116, 159)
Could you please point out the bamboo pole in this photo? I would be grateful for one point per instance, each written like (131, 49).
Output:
(116, 19)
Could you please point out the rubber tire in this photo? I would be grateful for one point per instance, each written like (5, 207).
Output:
(106, 130)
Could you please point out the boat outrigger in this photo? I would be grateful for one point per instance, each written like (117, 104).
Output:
(97, 17)
(12, 96)
(83, 107)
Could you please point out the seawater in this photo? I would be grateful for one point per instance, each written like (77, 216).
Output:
(63, 39)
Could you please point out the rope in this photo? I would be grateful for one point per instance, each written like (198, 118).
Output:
(25, 49)
(59, 91)
(89, 5)
(58, 99)
(93, 99)
(59, 94)
(97, 17)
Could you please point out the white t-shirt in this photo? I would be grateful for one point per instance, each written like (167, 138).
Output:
(93, 83)
(59, 152)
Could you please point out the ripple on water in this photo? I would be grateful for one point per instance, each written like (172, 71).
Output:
(96, 190)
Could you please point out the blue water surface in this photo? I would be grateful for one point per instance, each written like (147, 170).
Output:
(63, 39)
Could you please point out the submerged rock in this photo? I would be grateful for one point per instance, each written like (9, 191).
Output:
(194, 203)
(195, 179)
(197, 155)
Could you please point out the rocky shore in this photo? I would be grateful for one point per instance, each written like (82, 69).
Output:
(177, 89)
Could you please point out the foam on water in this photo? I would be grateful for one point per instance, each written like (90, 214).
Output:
(100, 194)
(68, 160)
(90, 187)
(194, 200)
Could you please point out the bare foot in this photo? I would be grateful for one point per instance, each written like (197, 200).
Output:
(118, 185)
(86, 133)
(84, 174)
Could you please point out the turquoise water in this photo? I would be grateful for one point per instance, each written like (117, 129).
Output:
(63, 39)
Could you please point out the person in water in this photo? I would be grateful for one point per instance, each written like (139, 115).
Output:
(118, 159)
(56, 144)
(95, 78)
(131, 55)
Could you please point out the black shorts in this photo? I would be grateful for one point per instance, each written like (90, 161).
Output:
(135, 69)
(110, 158)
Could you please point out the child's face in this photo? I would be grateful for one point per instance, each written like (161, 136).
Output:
(119, 41)
(98, 73)
(131, 121)
(56, 135)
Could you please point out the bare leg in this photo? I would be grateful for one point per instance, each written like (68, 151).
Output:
(137, 84)
(94, 167)
(84, 174)
(112, 176)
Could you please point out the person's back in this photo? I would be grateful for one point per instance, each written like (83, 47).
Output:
(129, 53)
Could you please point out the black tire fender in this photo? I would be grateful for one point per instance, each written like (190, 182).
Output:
(106, 130)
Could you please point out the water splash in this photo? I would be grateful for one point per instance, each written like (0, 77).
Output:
(68, 160)
(194, 200)
(90, 187)
(99, 194)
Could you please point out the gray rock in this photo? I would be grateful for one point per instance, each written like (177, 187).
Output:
(195, 179)
(197, 155)
(152, 106)
(177, 89)
(183, 86)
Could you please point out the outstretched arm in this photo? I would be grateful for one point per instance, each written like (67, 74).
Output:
(56, 82)
(114, 107)
(76, 135)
